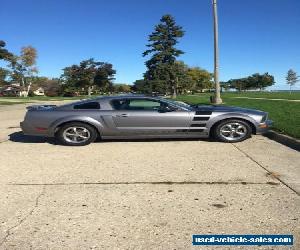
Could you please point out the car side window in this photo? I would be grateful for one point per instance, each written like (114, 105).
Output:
(87, 105)
(136, 104)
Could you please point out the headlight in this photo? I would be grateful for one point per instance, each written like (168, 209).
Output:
(264, 118)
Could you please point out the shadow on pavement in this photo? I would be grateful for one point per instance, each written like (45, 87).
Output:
(155, 140)
(20, 137)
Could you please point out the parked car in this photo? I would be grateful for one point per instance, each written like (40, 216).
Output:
(133, 116)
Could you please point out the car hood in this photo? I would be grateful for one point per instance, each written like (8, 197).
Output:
(221, 108)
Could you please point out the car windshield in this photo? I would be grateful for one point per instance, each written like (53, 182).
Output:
(179, 103)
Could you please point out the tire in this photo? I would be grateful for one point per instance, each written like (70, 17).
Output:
(76, 134)
(232, 130)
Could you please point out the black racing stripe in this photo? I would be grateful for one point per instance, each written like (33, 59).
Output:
(196, 130)
(201, 118)
(203, 112)
(199, 125)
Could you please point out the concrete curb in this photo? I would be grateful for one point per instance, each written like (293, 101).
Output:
(284, 139)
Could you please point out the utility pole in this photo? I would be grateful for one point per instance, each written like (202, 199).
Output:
(217, 98)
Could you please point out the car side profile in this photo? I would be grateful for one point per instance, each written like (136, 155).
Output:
(132, 116)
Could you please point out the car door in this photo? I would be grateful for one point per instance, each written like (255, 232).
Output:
(149, 116)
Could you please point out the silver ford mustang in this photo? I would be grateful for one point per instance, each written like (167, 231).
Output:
(133, 116)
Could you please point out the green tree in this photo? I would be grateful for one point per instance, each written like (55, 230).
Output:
(291, 78)
(238, 84)
(224, 86)
(122, 88)
(159, 75)
(259, 81)
(255, 81)
(104, 76)
(51, 86)
(201, 78)
(24, 68)
(4, 73)
(4, 53)
(88, 74)
(6, 56)
(142, 86)
(182, 82)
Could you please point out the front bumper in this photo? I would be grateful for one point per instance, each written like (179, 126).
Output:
(264, 127)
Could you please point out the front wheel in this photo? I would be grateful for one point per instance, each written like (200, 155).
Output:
(76, 134)
(232, 131)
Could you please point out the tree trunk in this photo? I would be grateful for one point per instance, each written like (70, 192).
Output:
(90, 90)
(290, 89)
(174, 95)
(174, 87)
(28, 89)
(23, 82)
(22, 87)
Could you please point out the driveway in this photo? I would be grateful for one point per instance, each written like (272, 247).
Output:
(142, 194)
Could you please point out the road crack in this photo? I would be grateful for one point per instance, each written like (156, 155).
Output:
(36, 204)
(148, 183)
(267, 170)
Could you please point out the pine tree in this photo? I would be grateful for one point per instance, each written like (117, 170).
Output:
(4, 53)
(160, 66)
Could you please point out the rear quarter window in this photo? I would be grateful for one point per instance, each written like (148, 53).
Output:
(87, 105)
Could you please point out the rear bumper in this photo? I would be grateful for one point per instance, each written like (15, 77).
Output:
(264, 127)
(28, 129)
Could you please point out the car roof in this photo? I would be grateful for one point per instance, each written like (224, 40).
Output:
(127, 96)
(106, 99)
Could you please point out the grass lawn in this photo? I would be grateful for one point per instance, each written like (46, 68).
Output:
(268, 95)
(286, 115)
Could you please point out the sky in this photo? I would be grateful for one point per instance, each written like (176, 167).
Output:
(254, 35)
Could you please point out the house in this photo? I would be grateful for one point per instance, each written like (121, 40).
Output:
(10, 90)
(39, 92)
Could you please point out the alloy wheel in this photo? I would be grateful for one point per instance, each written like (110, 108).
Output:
(233, 131)
(76, 134)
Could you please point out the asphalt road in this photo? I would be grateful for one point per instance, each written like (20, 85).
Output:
(142, 194)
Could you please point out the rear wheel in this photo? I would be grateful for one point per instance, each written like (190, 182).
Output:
(232, 130)
(76, 134)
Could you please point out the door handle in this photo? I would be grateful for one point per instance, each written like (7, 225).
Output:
(122, 115)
